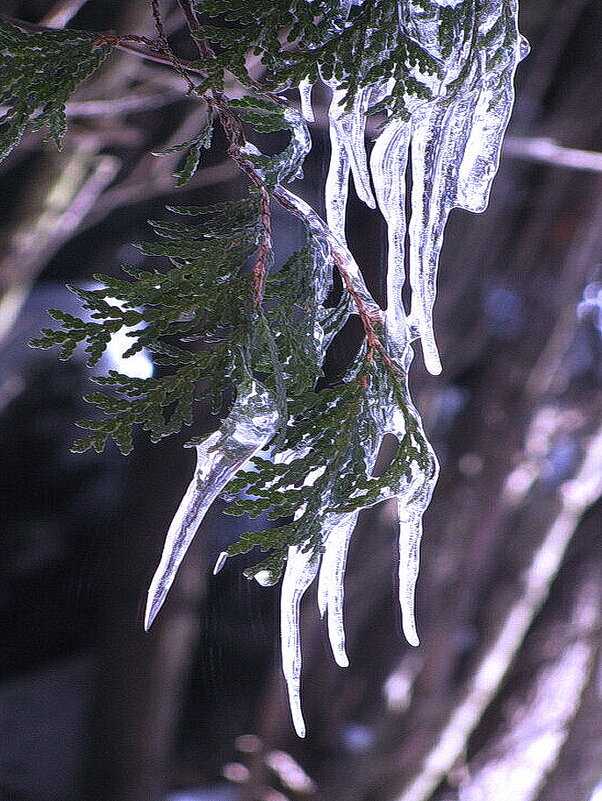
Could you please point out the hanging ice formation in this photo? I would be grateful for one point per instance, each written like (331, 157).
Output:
(451, 144)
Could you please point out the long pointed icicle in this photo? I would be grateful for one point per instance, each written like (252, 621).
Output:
(331, 583)
(301, 569)
(249, 427)
(388, 164)
(437, 132)
(410, 534)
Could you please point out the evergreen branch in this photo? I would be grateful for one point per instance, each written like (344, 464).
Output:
(41, 72)
(224, 326)
(166, 47)
(126, 44)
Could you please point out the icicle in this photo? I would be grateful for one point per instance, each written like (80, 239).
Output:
(347, 154)
(305, 89)
(249, 427)
(438, 133)
(301, 569)
(481, 159)
(455, 147)
(388, 166)
(351, 127)
(410, 534)
(331, 583)
(336, 188)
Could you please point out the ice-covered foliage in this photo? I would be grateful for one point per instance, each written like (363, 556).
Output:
(438, 79)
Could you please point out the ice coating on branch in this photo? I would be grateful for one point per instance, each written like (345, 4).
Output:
(335, 245)
(248, 428)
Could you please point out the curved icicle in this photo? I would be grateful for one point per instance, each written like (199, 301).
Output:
(331, 588)
(249, 427)
(301, 569)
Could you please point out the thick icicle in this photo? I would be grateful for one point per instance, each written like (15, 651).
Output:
(249, 427)
(331, 583)
(301, 569)
(492, 111)
(347, 154)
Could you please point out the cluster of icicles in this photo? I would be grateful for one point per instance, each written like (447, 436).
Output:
(452, 145)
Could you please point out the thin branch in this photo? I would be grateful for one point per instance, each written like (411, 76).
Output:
(260, 268)
(166, 47)
(120, 105)
(126, 44)
(203, 46)
(547, 151)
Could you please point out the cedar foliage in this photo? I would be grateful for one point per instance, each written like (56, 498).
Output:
(218, 314)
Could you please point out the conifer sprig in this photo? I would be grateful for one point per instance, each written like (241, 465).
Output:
(40, 71)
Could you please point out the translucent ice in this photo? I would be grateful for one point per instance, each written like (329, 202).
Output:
(410, 515)
(331, 583)
(449, 146)
(248, 428)
(301, 569)
(347, 154)
(455, 141)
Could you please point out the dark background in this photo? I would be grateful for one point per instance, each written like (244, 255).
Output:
(92, 708)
